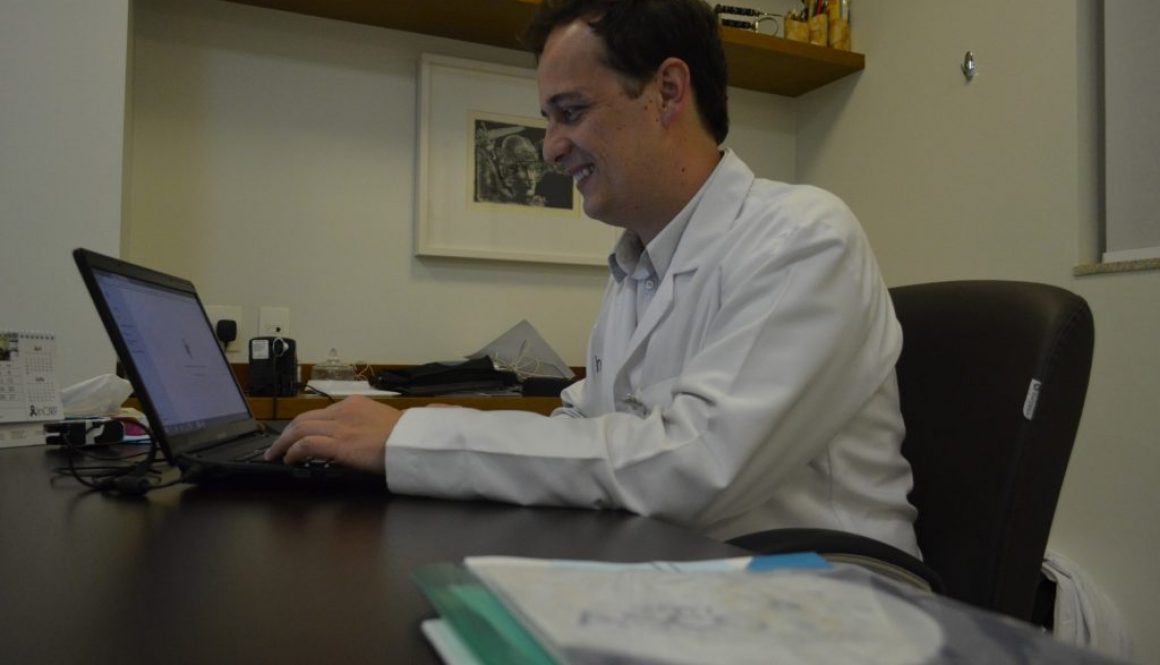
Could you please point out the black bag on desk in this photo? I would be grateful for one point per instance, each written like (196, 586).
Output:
(477, 374)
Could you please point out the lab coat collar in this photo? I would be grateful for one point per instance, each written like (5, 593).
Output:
(721, 198)
(628, 248)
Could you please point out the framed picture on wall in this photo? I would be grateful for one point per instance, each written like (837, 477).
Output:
(484, 190)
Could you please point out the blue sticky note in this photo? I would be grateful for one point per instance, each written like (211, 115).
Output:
(782, 561)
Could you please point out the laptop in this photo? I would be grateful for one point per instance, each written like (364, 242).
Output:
(196, 409)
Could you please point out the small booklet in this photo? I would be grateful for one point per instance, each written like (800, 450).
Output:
(777, 609)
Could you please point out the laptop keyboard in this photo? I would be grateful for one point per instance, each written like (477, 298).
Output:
(255, 455)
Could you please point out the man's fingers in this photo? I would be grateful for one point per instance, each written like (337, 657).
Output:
(311, 423)
(278, 448)
(352, 433)
(314, 446)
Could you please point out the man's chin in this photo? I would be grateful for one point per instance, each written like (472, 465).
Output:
(594, 210)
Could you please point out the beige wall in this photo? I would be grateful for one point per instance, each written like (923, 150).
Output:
(997, 179)
(273, 163)
(62, 119)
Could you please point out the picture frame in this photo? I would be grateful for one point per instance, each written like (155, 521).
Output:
(484, 191)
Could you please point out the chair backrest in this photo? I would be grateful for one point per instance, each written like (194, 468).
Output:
(992, 378)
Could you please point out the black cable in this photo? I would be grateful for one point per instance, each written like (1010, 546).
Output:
(275, 357)
(277, 354)
(734, 23)
(121, 480)
(740, 11)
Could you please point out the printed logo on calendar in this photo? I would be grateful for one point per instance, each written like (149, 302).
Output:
(36, 412)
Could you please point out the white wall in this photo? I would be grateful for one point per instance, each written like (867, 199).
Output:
(273, 161)
(998, 179)
(62, 91)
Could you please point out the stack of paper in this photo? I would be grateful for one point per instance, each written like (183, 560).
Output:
(13, 435)
(755, 611)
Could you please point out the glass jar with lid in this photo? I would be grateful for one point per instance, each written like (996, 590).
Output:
(333, 369)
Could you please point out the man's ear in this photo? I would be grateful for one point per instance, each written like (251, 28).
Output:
(675, 85)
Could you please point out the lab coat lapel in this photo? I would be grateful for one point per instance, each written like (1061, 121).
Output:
(715, 214)
(616, 328)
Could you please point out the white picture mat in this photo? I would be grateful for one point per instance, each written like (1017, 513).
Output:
(452, 92)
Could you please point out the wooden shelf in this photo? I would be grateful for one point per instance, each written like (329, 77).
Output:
(779, 66)
(756, 61)
(289, 407)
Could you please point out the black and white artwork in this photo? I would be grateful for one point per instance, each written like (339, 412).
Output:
(509, 167)
(484, 190)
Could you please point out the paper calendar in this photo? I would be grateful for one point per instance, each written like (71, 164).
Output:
(28, 389)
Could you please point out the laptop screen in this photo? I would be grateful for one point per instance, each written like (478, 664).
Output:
(174, 352)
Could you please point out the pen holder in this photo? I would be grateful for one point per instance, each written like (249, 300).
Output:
(839, 34)
(796, 30)
(819, 29)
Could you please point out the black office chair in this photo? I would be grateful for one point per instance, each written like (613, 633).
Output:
(992, 377)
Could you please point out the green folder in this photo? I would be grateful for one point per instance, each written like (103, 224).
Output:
(479, 619)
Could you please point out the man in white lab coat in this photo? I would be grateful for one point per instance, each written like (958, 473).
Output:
(740, 376)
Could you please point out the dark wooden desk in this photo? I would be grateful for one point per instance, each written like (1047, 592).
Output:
(226, 575)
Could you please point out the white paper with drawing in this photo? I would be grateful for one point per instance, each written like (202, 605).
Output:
(655, 616)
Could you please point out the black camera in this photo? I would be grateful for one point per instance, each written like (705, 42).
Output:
(273, 367)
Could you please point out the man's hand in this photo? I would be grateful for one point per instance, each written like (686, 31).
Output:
(352, 432)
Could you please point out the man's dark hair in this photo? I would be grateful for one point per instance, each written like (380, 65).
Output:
(639, 34)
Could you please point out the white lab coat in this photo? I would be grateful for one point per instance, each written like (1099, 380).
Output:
(757, 391)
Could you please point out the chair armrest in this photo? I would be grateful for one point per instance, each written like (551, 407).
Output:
(845, 547)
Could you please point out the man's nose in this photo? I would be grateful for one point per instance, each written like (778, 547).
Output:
(556, 145)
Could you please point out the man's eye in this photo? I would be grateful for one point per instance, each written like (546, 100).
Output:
(571, 114)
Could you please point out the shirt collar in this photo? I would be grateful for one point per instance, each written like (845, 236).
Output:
(625, 255)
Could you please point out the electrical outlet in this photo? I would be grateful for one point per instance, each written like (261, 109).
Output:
(235, 350)
(273, 321)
